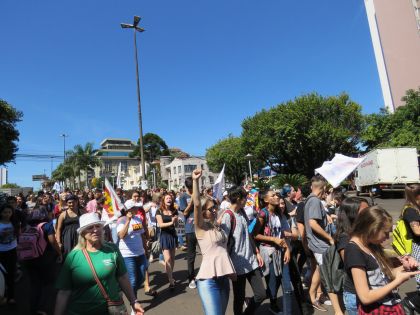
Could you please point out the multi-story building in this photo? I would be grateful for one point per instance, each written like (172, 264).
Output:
(395, 31)
(113, 152)
(174, 172)
(3, 176)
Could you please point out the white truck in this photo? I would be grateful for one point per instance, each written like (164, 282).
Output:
(387, 170)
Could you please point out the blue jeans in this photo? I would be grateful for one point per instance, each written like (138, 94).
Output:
(181, 240)
(214, 294)
(350, 302)
(136, 268)
(273, 284)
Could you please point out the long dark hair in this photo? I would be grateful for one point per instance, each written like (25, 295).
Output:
(347, 215)
(13, 219)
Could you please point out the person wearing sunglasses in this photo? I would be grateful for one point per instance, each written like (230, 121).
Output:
(216, 266)
(93, 275)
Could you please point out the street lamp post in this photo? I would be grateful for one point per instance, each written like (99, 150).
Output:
(139, 29)
(249, 156)
(64, 139)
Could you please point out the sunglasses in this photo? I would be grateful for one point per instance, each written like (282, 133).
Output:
(93, 227)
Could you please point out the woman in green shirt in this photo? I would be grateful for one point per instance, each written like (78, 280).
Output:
(78, 291)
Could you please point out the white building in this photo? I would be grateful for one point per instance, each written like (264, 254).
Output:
(175, 171)
(3, 176)
(114, 151)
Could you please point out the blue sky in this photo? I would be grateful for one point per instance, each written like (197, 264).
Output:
(204, 67)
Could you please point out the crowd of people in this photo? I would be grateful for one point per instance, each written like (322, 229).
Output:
(296, 238)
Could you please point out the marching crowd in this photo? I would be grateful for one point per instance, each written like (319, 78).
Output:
(296, 238)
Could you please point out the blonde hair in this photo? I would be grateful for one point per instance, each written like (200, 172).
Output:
(368, 224)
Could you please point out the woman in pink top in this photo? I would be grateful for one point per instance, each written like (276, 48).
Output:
(216, 266)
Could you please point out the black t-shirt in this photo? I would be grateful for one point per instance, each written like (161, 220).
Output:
(411, 215)
(354, 256)
(290, 205)
(300, 212)
(342, 241)
(166, 219)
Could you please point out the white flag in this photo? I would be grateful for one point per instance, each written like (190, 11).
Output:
(57, 187)
(219, 185)
(336, 170)
(119, 176)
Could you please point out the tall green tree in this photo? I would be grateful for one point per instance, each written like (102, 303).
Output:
(230, 152)
(401, 128)
(299, 135)
(9, 135)
(154, 147)
(64, 172)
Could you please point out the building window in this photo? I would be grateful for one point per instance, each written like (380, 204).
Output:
(179, 169)
(108, 167)
(211, 180)
(174, 169)
(202, 167)
(189, 168)
(124, 166)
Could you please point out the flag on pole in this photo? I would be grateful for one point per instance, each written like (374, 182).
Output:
(113, 204)
(119, 176)
(336, 170)
(219, 185)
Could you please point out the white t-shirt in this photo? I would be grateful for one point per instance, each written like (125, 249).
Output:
(132, 244)
(7, 237)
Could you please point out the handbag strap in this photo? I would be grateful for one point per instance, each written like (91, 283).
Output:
(98, 282)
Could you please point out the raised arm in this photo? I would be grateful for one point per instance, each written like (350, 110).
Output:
(198, 215)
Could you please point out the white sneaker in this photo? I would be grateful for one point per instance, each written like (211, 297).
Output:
(192, 284)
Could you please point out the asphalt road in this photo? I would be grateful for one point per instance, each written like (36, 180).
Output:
(184, 300)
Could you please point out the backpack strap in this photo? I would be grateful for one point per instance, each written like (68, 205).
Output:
(232, 221)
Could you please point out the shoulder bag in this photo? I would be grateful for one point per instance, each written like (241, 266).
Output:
(114, 307)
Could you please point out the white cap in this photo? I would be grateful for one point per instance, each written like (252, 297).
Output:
(87, 220)
(225, 193)
(131, 204)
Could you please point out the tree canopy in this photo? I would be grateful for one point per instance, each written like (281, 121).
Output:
(154, 147)
(9, 135)
(401, 128)
(230, 152)
(299, 135)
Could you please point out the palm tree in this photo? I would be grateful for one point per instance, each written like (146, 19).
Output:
(83, 159)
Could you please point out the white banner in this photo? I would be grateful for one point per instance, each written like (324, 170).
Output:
(219, 185)
(336, 170)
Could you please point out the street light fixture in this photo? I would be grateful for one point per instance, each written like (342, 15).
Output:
(138, 29)
(249, 157)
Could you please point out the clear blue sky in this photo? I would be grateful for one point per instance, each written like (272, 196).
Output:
(204, 67)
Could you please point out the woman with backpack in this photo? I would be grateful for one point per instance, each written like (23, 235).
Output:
(41, 264)
(9, 229)
(275, 249)
(349, 209)
(244, 255)
(216, 266)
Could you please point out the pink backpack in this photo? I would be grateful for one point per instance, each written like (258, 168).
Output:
(31, 242)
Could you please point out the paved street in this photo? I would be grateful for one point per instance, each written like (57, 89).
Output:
(184, 300)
